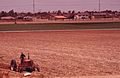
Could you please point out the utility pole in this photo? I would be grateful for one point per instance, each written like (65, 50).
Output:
(33, 10)
(99, 5)
(33, 6)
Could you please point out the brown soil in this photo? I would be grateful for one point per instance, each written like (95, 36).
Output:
(64, 53)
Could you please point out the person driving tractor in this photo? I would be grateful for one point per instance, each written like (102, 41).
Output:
(22, 56)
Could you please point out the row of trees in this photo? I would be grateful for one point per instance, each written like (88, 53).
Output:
(59, 12)
(14, 14)
(10, 13)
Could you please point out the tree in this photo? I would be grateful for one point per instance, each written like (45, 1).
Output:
(11, 13)
(73, 12)
(3, 13)
(69, 12)
(29, 14)
(59, 12)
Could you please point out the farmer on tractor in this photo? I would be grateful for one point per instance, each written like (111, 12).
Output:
(22, 57)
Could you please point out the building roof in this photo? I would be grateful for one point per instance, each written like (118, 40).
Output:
(60, 17)
(7, 18)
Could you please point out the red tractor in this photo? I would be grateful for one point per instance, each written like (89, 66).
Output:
(27, 65)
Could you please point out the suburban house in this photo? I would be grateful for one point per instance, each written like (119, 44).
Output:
(7, 18)
(56, 17)
(82, 15)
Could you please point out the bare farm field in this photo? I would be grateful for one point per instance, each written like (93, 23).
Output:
(64, 53)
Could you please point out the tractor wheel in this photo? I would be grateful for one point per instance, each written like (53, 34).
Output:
(13, 65)
(20, 69)
(29, 69)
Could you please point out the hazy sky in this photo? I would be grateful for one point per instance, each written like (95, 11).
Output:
(64, 5)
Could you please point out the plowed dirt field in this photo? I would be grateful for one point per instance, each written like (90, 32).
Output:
(65, 53)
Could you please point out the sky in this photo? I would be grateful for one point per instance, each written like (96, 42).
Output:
(54, 5)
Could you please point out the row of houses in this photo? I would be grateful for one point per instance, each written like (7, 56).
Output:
(62, 16)
(26, 18)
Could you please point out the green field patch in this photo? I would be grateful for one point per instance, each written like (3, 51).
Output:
(59, 26)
